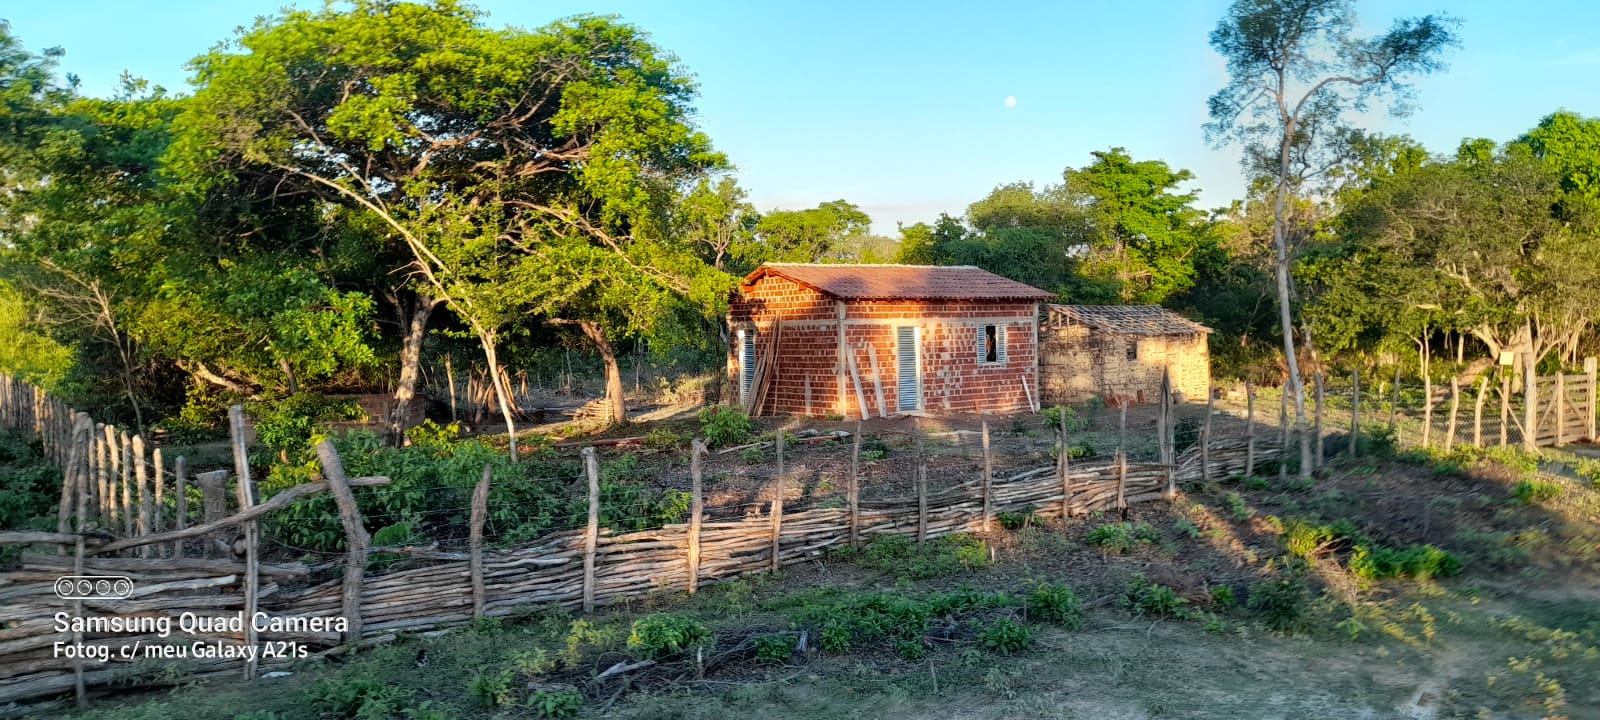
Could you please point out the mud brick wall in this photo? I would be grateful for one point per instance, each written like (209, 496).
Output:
(1078, 364)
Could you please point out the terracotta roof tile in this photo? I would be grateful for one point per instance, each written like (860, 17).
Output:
(908, 282)
(1126, 319)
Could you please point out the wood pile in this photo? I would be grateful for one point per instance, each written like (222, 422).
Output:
(594, 411)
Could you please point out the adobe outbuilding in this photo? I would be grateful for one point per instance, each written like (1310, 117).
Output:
(1119, 353)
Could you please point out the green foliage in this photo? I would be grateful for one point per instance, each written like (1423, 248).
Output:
(357, 698)
(725, 426)
(430, 434)
(1535, 492)
(1017, 520)
(1223, 596)
(1305, 540)
(664, 439)
(896, 620)
(288, 424)
(29, 485)
(663, 634)
(1238, 509)
(1419, 562)
(1281, 603)
(555, 703)
(935, 558)
(1120, 537)
(29, 352)
(775, 648)
(491, 689)
(1006, 636)
(826, 232)
(1055, 603)
(752, 455)
(1143, 597)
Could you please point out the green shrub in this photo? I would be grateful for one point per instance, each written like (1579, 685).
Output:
(724, 426)
(1534, 492)
(921, 561)
(664, 439)
(1052, 603)
(29, 486)
(1237, 508)
(775, 649)
(287, 424)
(555, 703)
(1143, 597)
(356, 698)
(1121, 537)
(900, 621)
(1017, 520)
(663, 634)
(1223, 596)
(1303, 539)
(1281, 603)
(752, 455)
(1006, 636)
(433, 435)
(1420, 562)
(492, 689)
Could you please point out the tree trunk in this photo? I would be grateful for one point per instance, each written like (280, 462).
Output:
(288, 375)
(501, 392)
(596, 335)
(1280, 243)
(728, 389)
(410, 363)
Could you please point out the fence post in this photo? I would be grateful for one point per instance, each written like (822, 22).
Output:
(777, 506)
(1063, 455)
(356, 538)
(130, 512)
(108, 475)
(1283, 434)
(1589, 369)
(697, 508)
(922, 489)
(591, 533)
(1455, 412)
(1249, 429)
(988, 479)
(1561, 406)
(1321, 402)
(1205, 438)
(1477, 411)
(241, 462)
(1169, 438)
(142, 478)
(82, 427)
(1427, 405)
(1355, 413)
(854, 489)
(180, 479)
(1122, 483)
(1394, 406)
(213, 504)
(480, 513)
(1530, 400)
(158, 476)
(1505, 407)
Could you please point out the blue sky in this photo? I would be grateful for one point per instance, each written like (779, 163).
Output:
(900, 106)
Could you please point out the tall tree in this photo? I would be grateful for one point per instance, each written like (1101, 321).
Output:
(499, 159)
(1144, 235)
(1297, 70)
(818, 234)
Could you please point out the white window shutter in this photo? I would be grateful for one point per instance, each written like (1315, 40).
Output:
(1000, 342)
(983, 349)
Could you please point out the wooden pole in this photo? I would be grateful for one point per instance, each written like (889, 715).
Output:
(142, 477)
(1427, 399)
(777, 506)
(1477, 411)
(1455, 411)
(1205, 437)
(591, 535)
(112, 470)
(1249, 429)
(1505, 407)
(922, 490)
(450, 377)
(1122, 483)
(1530, 399)
(213, 503)
(854, 489)
(1394, 405)
(697, 509)
(1590, 368)
(130, 520)
(1322, 402)
(1355, 413)
(839, 369)
(158, 479)
(356, 538)
(1063, 457)
(82, 441)
(1561, 406)
(480, 513)
(1122, 427)
(102, 473)
(988, 479)
(1283, 434)
(1169, 440)
(877, 381)
(180, 479)
(246, 491)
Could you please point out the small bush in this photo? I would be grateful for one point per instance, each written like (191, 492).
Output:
(752, 455)
(1121, 537)
(1143, 597)
(1534, 492)
(1052, 603)
(664, 439)
(775, 649)
(1017, 520)
(555, 703)
(1280, 603)
(492, 689)
(1420, 562)
(724, 426)
(433, 435)
(1223, 596)
(1006, 636)
(1304, 540)
(1237, 508)
(356, 698)
(664, 634)
(934, 558)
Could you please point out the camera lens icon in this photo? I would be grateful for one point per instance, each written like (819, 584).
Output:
(94, 587)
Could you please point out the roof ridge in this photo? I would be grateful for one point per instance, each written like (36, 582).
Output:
(868, 265)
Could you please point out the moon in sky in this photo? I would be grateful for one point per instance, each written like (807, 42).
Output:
(1011, 101)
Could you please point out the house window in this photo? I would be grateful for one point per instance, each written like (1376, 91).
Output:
(991, 345)
(1133, 349)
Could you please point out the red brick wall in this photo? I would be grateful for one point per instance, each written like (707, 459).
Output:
(953, 379)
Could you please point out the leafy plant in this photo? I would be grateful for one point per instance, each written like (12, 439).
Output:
(1121, 537)
(356, 698)
(664, 439)
(775, 649)
(1017, 520)
(1281, 603)
(1238, 509)
(556, 703)
(752, 455)
(1223, 596)
(1534, 492)
(490, 688)
(921, 561)
(433, 435)
(1053, 603)
(1006, 636)
(664, 634)
(724, 426)
(1420, 562)
(1143, 597)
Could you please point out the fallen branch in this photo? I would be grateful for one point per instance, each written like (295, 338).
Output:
(621, 668)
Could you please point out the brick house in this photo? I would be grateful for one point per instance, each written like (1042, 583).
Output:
(875, 340)
(1120, 352)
